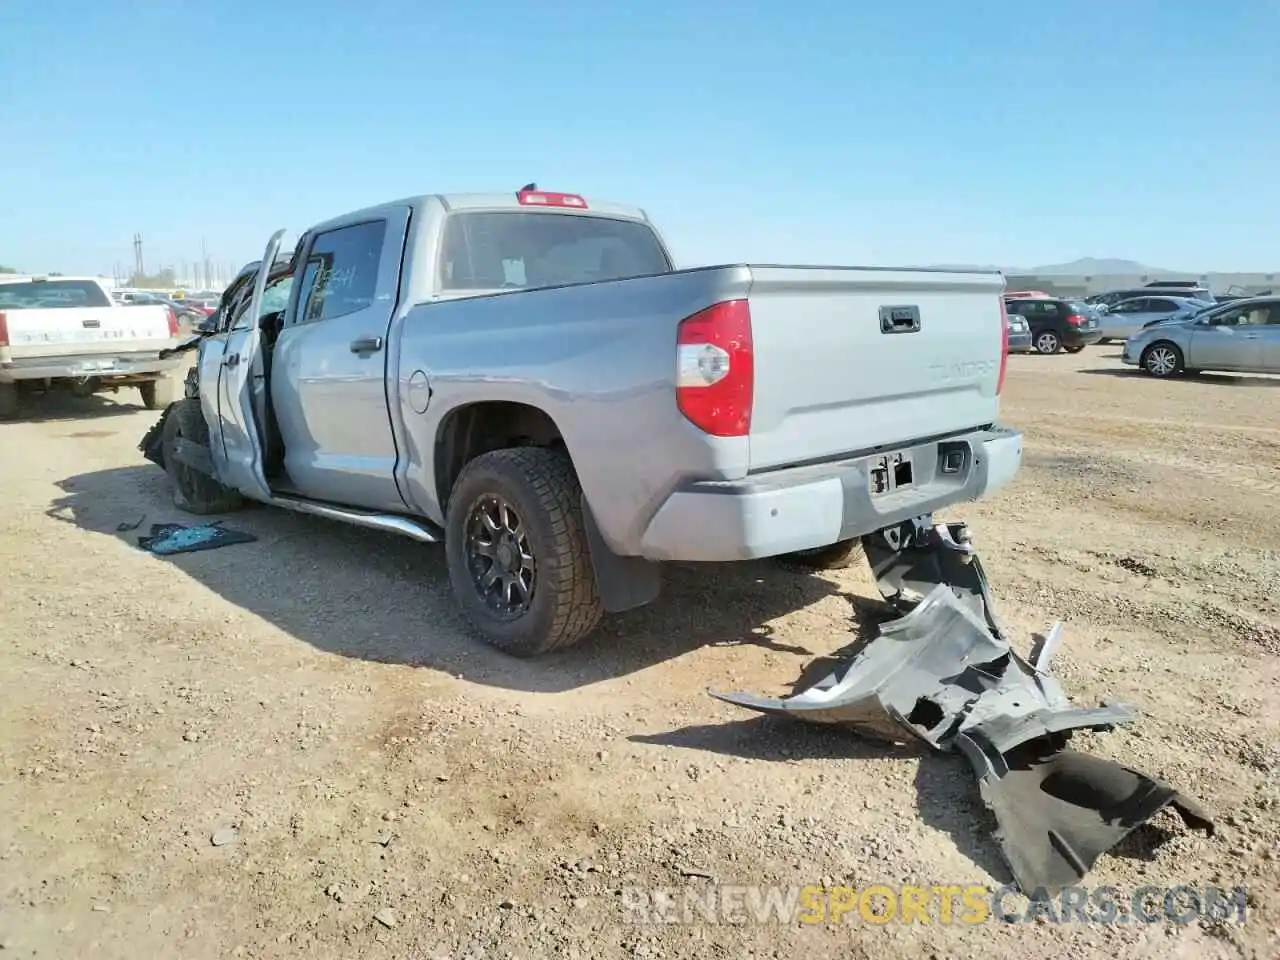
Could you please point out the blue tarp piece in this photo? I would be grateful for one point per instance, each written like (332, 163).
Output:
(166, 539)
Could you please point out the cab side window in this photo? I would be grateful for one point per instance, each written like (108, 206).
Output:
(340, 275)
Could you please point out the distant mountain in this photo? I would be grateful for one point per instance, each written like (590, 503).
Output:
(1084, 267)
(1090, 266)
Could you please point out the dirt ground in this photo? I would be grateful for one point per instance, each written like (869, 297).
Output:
(389, 787)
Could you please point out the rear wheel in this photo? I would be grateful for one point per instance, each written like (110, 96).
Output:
(8, 401)
(158, 394)
(193, 491)
(516, 546)
(1162, 359)
(837, 556)
(1048, 342)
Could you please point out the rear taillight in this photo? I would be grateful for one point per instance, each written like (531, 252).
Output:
(4, 330)
(174, 330)
(1004, 345)
(715, 369)
(1076, 319)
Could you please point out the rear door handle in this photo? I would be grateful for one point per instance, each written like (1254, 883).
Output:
(231, 360)
(366, 345)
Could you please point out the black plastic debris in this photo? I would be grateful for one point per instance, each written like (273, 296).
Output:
(166, 539)
(945, 674)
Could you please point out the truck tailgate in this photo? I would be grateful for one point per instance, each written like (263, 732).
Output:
(78, 331)
(848, 360)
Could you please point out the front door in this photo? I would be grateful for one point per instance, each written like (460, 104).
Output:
(1231, 339)
(329, 368)
(1265, 319)
(238, 457)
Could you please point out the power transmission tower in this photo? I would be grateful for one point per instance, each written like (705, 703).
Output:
(138, 267)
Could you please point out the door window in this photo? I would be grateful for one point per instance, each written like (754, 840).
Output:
(1258, 314)
(341, 272)
(275, 297)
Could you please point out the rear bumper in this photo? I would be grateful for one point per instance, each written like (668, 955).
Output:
(1072, 337)
(806, 507)
(82, 366)
(1020, 342)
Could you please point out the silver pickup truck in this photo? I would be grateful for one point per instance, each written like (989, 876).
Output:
(528, 378)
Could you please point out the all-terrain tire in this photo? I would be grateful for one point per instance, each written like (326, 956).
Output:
(837, 556)
(193, 491)
(158, 394)
(541, 487)
(8, 401)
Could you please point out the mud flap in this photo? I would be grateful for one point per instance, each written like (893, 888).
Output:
(944, 673)
(624, 582)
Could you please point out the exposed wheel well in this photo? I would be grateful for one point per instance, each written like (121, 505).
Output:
(477, 428)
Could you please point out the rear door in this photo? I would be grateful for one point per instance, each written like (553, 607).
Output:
(1121, 321)
(850, 360)
(1225, 341)
(329, 368)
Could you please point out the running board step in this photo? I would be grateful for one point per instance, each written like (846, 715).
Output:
(422, 532)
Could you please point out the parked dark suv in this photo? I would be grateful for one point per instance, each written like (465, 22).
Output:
(1058, 324)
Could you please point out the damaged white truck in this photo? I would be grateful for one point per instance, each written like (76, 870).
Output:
(528, 378)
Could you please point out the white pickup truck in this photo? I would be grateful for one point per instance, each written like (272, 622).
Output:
(67, 332)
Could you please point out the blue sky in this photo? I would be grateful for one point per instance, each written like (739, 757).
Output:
(901, 133)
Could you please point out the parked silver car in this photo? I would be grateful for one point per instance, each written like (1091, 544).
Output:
(1128, 317)
(1242, 336)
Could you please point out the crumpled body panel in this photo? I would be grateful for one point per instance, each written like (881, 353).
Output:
(945, 673)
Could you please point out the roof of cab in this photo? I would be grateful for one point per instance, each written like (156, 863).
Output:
(453, 202)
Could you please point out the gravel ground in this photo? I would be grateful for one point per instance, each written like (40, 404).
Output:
(292, 748)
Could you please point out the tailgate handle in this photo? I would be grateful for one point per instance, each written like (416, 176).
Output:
(899, 319)
(91, 324)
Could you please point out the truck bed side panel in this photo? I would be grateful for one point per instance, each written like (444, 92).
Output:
(587, 355)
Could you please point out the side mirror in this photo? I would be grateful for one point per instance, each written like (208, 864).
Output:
(208, 325)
